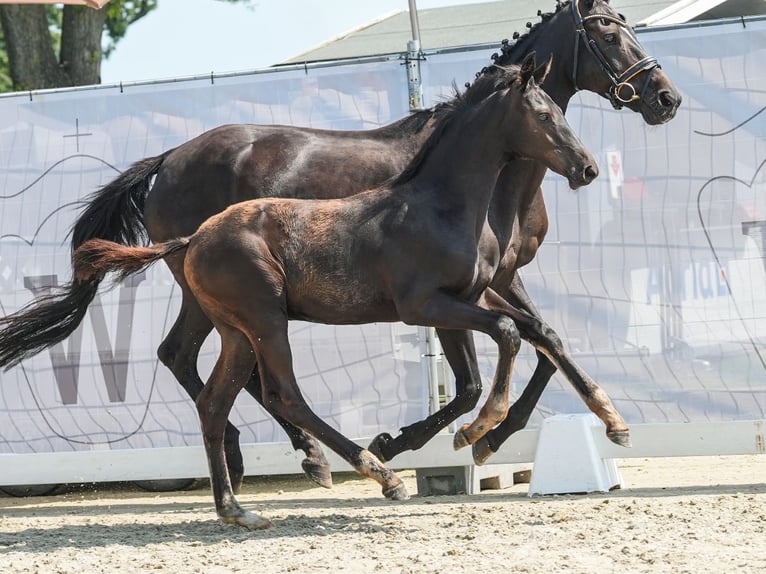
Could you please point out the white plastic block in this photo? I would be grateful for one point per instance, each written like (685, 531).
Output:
(567, 460)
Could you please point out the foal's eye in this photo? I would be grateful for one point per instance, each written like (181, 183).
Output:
(543, 116)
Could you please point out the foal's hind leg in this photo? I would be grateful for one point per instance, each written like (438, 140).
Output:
(282, 396)
(315, 465)
(179, 351)
(231, 371)
(461, 355)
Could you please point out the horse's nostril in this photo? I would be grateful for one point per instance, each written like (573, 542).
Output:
(590, 173)
(667, 99)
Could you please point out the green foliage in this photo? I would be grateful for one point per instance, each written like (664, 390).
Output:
(120, 15)
(6, 84)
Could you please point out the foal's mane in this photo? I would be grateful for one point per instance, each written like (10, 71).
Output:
(492, 79)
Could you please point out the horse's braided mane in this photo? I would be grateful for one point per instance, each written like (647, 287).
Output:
(444, 112)
(510, 49)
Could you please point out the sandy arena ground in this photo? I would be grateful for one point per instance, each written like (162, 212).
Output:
(677, 515)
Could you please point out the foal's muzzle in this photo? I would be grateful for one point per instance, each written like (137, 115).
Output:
(579, 177)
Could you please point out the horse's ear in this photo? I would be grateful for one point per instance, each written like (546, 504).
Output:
(542, 70)
(527, 70)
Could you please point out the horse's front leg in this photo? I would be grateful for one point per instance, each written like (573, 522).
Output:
(551, 354)
(460, 353)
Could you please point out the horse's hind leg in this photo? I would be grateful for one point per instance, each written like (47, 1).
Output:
(283, 397)
(460, 352)
(231, 371)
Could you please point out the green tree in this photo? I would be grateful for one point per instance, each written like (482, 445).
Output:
(55, 46)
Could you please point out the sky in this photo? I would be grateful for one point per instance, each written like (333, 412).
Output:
(196, 37)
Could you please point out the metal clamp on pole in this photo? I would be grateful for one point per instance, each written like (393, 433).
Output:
(414, 55)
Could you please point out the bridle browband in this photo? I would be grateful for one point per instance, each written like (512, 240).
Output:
(620, 82)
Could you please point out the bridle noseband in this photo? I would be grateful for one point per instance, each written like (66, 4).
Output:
(620, 82)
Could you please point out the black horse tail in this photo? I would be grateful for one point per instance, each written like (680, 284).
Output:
(115, 213)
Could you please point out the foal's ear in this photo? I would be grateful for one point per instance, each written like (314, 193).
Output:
(542, 70)
(527, 70)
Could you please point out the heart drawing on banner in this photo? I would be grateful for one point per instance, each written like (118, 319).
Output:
(728, 211)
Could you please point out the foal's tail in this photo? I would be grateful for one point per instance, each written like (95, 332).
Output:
(97, 257)
(115, 213)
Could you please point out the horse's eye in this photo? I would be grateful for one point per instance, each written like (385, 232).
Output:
(609, 38)
(605, 22)
(622, 17)
(543, 116)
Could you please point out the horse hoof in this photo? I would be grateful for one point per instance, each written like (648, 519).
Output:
(460, 440)
(318, 473)
(398, 492)
(621, 438)
(482, 451)
(249, 520)
(378, 444)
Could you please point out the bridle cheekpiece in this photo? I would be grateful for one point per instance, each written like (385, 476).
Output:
(622, 91)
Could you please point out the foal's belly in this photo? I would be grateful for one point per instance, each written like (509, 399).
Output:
(335, 305)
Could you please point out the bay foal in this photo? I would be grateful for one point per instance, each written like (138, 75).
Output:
(408, 251)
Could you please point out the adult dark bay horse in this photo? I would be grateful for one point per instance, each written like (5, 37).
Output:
(407, 251)
(593, 49)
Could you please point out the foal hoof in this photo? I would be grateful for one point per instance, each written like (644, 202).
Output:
(398, 492)
(318, 473)
(482, 451)
(460, 440)
(621, 438)
(379, 444)
(249, 520)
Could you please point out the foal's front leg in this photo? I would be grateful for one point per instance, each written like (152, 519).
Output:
(551, 349)
(446, 311)
(521, 410)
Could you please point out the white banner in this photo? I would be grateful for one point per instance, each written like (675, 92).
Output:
(655, 280)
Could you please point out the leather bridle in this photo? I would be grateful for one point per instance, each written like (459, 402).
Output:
(622, 91)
